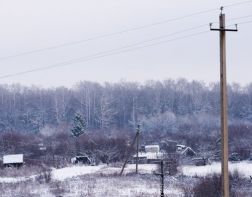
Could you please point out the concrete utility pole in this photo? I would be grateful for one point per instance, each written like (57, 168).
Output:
(224, 108)
(137, 146)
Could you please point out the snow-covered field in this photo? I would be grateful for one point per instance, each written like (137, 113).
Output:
(74, 171)
(100, 181)
(244, 168)
(103, 181)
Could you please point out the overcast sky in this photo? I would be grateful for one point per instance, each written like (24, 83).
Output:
(29, 25)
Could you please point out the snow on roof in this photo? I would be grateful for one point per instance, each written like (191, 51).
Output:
(18, 158)
(181, 146)
(149, 155)
(152, 148)
(188, 149)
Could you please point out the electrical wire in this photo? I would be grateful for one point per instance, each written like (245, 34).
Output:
(240, 17)
(240, 23)
(120, 32)
(115, 51)
(104, 35)
(100, 55)
(245, 22)
(237, 3)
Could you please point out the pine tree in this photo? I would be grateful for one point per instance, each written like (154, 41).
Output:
(79, 126)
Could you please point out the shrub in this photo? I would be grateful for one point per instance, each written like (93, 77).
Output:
(45, 176)
(211, 186)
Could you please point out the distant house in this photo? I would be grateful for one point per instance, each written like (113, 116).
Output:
(16, 160)
(81, 160)
(151, 154)
(185, 151)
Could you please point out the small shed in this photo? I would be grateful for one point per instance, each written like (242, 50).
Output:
(81, 160)
(16, 160)
(189, 152)
(185, 150)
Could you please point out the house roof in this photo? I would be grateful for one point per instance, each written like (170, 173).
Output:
(149, 155)
(9, 159)
(181, 146)
(152, 148)
(187, 150)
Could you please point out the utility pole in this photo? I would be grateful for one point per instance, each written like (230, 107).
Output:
(137, 147)
(223, 99)
(162, 178)
(161, 174)
(135, 140)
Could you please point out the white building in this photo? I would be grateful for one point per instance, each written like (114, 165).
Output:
(185, 150)
(150, 155)
(16, 160)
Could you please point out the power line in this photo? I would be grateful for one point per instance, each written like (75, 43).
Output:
(237, 3)
(115, 51)
(100, 55)
(240, 23)
(103, 53)
(104, 35)
(245, 22)
(240, 17)
(120, 32)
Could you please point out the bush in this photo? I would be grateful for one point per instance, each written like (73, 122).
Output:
(44, 177)
(171, 164)
(208, 187)
(211, 186)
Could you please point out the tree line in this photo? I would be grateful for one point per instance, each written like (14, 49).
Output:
(170, 105)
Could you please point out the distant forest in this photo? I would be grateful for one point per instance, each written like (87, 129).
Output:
(170, 105)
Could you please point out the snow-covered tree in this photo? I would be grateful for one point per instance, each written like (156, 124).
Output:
(79, 126)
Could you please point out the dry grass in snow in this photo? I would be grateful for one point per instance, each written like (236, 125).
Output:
(244, 168)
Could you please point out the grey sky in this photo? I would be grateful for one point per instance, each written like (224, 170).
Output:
(28, 24)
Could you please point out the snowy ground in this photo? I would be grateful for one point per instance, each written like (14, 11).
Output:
(74, 171)
(103, 180)
(98, 181)
(244, 168)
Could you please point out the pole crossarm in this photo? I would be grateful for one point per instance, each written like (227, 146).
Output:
(223, 29)
(213, 29)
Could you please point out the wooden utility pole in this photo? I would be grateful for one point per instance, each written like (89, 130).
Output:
(135, 140)
(161, 174)
(162, 178)
(224, 107)
(137, 144)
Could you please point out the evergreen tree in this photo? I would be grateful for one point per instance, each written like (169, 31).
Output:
(79, 126)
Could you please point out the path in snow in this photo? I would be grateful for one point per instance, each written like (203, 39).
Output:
(73, 171)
